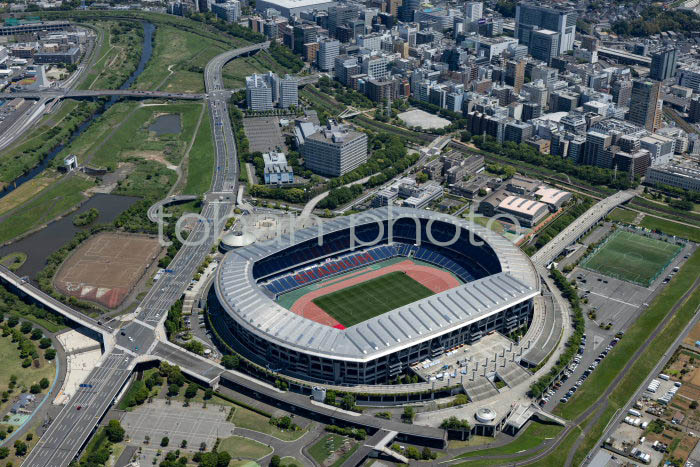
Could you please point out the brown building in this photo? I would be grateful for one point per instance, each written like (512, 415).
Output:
(515, 74)
(311, 51)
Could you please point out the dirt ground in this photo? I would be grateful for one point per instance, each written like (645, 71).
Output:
(693, 335)
(106, 267)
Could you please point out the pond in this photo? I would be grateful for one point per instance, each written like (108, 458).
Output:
(166, 124)
(42, 243)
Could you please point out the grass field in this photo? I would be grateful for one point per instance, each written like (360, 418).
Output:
(246, 418)
(51, 202)
(623, 215)
(244, 448)
(372, 298)
(671, 228)
(178, 61)
(327, 446)
(631, 257)
(235, 72)
(201, 160)
(532, 437)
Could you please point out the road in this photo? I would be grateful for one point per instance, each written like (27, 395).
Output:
(70, 431)
(58, 93)
(573, 231)
(77, 420)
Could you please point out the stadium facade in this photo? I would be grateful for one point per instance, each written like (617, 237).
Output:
(499, 285)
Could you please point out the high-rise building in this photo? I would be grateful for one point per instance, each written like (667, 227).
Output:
(327, 51)
(645, 104)
(340, 15)
(473, 11)
(334, 150)
(515, 74)
(376, 67)
(229, 11)
(258, 92)
(690, 77)
(303, 34)
(530, 17)
(544, 45)
(621, 91)
(663, 64)
(596, 146)
(288, 92)
(345, 66)
(408, 9)
(694, 110)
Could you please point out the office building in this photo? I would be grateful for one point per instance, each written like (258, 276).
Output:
(334, 150)
(663, 64)
(229, 11)
(530, 17)
(679, 176)
(694, 109)
(258, 93)
(328, 50)
(303, 34)
(544, 45)
(645, 104)
(689, 77)
(515, 74)
(288, 92)
(473, 11)
(376, 67)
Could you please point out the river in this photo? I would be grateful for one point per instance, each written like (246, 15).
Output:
(146, 53)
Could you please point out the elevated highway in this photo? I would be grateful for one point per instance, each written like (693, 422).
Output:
(579, 227)
(53, 93)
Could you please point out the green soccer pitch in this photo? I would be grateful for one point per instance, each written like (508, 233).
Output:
(372, 298)
(632, 257)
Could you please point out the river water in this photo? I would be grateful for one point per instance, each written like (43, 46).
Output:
(148, 29)
(39, 245)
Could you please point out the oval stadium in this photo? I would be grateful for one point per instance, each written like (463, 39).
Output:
(361, 298)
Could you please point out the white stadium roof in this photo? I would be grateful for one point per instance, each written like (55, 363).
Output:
(438, 314)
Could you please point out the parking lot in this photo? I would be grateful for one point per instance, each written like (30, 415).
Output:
(194, 424)
(264, 134)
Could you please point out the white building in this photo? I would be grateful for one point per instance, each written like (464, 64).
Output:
(229, 11)
(289, 8)
(258, 93)
(327, 51)
(334, 150)
(473, 11)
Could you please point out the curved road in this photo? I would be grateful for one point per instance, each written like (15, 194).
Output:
(73, 426)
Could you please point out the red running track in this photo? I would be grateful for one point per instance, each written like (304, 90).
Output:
(435, 279)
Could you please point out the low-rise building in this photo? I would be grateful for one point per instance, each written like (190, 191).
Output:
(277, 171)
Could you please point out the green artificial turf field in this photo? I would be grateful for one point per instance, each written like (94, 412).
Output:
(372, 298)
(631, 257)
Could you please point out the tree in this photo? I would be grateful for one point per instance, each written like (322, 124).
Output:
(348, 402)
(114, 431)
(4, 452)
(275, 461)
(408, 414)
(173, 390)
(208, 393)
(165, 441)
(35, 389)
(224, 459)
(694, 405)
(422, 177)
(203, 446)
(191, 391)
(44, 343)
(26, 327)
(230, 361)
(12, 321)
(50, 354)
(20, 448)
(183, 445)
(37, 334)
(44, 383)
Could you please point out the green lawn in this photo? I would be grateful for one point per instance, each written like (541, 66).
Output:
(671, 228)
(235, 72)
(14, 260)
(532, 437)
(51, 202)
(201, 160)
(246, 418)
(372, 298)
(244, 448)
(634, 337)
(12, 365)
(632, 257)
(623, 215)
(326, 446)
(178, 60)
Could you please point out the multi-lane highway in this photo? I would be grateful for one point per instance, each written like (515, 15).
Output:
(78, 419)
(71, 429)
